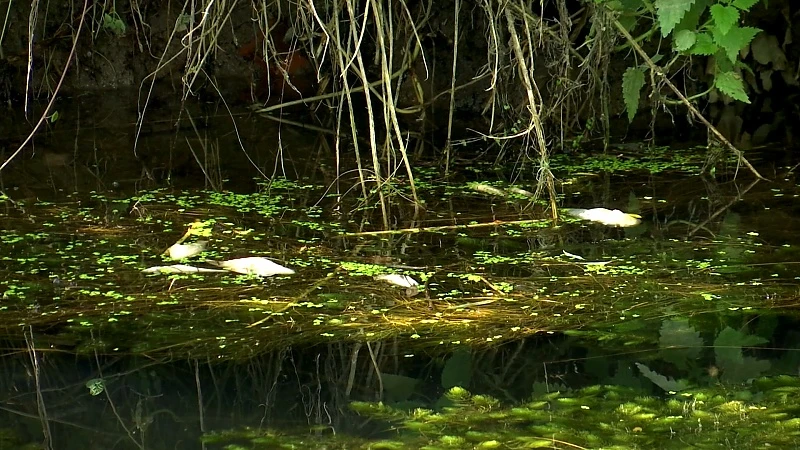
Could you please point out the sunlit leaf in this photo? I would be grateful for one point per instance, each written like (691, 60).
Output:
(734, 40)
(704, 45)
(744, 5)
(670, 13)
(684, 40)
(725, 17)
(730, 84)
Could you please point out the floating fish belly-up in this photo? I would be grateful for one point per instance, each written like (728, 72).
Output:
(614, 218)
(255, 265)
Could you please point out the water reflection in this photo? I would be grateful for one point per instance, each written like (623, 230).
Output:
(517, 328)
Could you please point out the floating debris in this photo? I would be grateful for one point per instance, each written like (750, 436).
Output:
(254, 265)
(179, 268)
(612, 218)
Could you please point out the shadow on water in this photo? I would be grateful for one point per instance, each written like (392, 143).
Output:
(519, 334)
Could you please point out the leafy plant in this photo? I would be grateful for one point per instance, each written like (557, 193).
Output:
(114, 23)
(696, 28)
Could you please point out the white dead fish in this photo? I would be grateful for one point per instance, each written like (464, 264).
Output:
(254, 265)
(180, 251)
(179, 268)
(398, 280)
(612, 218)
(573, 256)
(411, 285)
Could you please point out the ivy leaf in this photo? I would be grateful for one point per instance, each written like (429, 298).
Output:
(730, 84)
(725, 17)
(632, 83)
(670, 13)
(735, 39)
(704, 45)
(684, 40)
(744, 5)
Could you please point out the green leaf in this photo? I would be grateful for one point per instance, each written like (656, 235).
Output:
(735, 39)
(730, 84)
(632, 83)
(670, 13)
(665, 383)
(684, 40)
(691, 20)
(725, 17)
(704, 45)
(744, 5)
(631, 5)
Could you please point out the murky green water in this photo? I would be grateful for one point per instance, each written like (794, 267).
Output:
(679, 332)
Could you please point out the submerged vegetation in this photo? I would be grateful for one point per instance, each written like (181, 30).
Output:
(407, 287)
(570, 334)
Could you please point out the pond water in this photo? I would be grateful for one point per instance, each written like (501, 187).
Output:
(521, 333)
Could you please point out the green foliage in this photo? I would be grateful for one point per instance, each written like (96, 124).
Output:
(114, 23)
(734, 40)
(725, 17)
(698, 28)
(632, 84)
(684, 40)
(703, 46)
(730, 84)
(670, 13)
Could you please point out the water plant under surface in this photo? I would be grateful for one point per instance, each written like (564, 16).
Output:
(687, 306)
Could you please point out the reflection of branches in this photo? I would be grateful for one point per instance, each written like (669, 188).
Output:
(724, 207)
(44, 116)
(39, 398)
(114, 408)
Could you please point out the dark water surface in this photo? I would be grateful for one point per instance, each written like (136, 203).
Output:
(570, 336)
